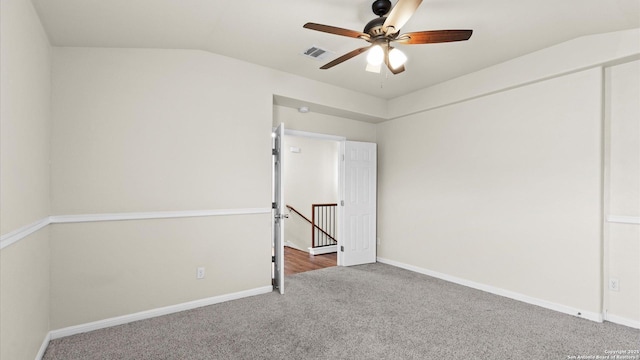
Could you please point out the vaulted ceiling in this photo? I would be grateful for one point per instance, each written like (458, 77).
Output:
(270, 33)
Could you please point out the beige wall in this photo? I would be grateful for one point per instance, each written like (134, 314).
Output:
(622, 193)
(314, 122)
(570, 56)
(24, 296)
(107, 269)
(157, 130)
(310, 177)
(147, 131)
(503, 190)
(25, 115)
(421, 121)
(25, 127)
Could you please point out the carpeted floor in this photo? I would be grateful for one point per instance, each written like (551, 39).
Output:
(371, 311)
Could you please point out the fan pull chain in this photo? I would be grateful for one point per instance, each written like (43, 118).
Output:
(384, 75)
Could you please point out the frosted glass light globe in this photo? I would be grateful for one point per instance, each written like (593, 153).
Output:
(375, 56)
(396, 58)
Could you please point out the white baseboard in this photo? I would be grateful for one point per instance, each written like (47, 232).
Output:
(622, 321)
(294, 246)
(323, 250)
(43, 347)
(589, 315)
(101, 324)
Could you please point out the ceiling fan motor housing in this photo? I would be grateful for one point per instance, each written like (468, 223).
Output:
(374, 27)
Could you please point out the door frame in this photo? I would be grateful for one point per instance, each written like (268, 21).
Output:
(277, 222)
(341, 185)
(341, 140)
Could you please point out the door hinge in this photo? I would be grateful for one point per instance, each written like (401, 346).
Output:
(274, 205)
(273, 259)
(274, 152)
(341, 248)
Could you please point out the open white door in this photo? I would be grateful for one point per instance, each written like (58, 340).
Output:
(278, 211)
(358, 236)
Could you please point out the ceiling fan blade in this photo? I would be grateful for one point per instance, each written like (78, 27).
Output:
(399, 15)
(395, 71)
(336, 30)
(345, 57)
(434, 36)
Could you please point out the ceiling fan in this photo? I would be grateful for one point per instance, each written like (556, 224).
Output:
(384, 30)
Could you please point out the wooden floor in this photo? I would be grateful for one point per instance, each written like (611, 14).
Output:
(296, 261)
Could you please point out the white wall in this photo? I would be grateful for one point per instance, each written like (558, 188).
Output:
(503, 190)
(315, 122)
(622, 191)
(458, 186)
(564, 58)
(310, 177)
(25, 111)
(25, 127)
(155, 131)
(102, 270)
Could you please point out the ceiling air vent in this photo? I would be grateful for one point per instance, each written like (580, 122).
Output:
(316, 52)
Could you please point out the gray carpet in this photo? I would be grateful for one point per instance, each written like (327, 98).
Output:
(371, 311)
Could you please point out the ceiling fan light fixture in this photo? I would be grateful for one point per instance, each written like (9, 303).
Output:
(384, 30)
(375, 55)
(397, 58)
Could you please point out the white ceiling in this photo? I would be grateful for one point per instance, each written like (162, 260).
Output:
(270, 33)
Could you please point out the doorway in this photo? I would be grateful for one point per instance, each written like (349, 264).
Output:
(311, 195)
(355, 166)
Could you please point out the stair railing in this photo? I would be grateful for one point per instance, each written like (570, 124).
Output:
(323, 231)
(323, 224)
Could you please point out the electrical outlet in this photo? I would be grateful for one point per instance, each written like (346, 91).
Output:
(200, 273)
(614, 284)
